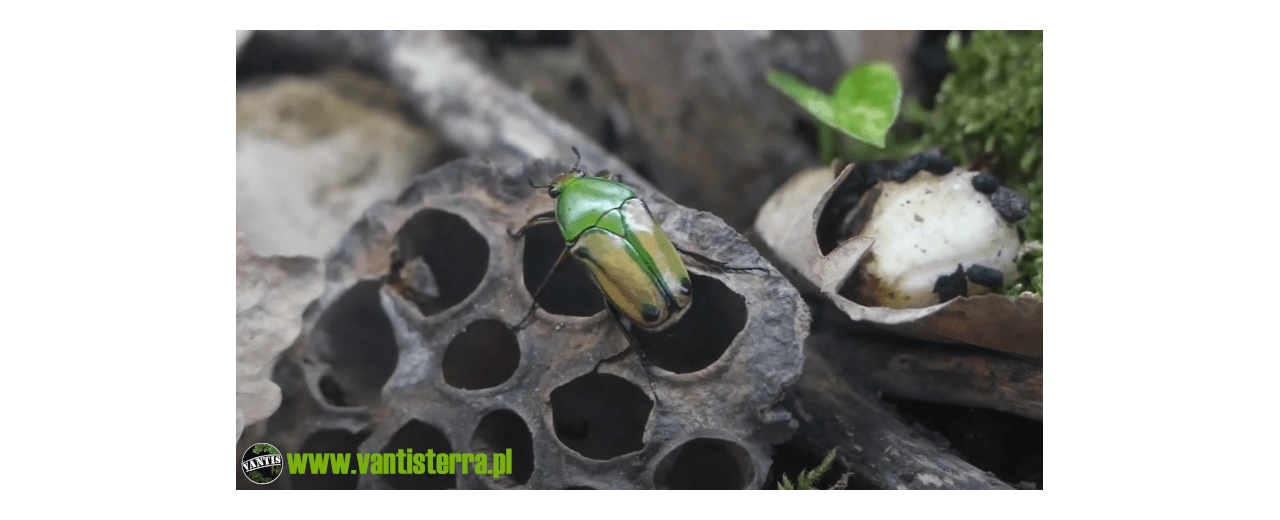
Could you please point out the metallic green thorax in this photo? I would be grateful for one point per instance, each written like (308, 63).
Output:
(584, 202)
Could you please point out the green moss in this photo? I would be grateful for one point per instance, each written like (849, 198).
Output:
(994, 101)
(1030, 262)
(807, 478)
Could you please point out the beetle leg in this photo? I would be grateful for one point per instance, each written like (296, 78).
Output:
(606, 174)
(631, 345)
(535, 221)
(717, 264)
(563, 255)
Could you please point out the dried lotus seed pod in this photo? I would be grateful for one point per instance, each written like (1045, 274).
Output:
(413, 346)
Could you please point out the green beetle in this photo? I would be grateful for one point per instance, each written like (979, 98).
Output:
(610, 230)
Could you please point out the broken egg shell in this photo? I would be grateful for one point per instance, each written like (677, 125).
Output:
(929, 230)
(787, 230)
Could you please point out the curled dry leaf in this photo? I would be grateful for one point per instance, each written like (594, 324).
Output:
(788, 224)
(271, 293)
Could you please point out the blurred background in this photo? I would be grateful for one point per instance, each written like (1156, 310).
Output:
(325, 125)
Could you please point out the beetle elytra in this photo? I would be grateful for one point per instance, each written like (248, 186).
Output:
(612, 233)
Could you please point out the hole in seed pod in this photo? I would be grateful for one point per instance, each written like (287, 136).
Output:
(425, 441)
(570, 291)
(600, 416)
(504, 433)
(295, 396)
(356, 340)
(333, 393)
(705, 464)
(484, 355)
(340, 442)
(440, 260)
(703, 334)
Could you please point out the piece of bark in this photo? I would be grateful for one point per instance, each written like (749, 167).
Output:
(873, 443)
(942, 373)
(313, 152)
(716, 136)
(474, 109)
(271, 293)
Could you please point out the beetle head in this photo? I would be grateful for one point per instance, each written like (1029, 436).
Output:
(561, 180)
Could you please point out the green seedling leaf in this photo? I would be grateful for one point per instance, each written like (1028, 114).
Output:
(814, 101)
(867, 101)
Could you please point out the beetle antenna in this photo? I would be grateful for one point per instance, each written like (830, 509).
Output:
(579, 161)
(530, 181)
